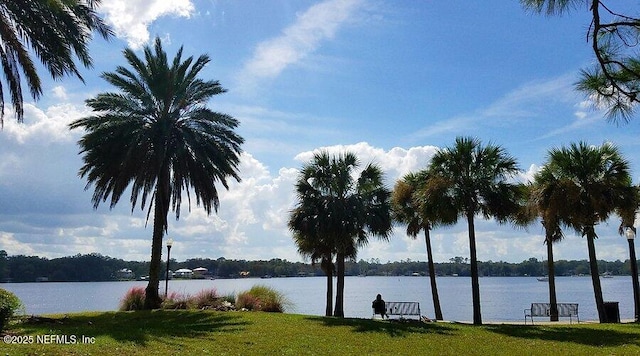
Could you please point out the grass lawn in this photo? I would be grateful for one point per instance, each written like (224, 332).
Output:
(255, 333)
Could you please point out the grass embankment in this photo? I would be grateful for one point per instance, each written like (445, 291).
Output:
(230, 333)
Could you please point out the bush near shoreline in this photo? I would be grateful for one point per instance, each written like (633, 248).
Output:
(258, 298)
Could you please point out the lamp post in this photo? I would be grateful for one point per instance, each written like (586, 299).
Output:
(166, 285)
(631, 235)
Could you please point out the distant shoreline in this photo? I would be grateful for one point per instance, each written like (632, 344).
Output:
(95, 268)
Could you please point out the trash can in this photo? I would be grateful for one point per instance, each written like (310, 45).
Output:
(612, 312)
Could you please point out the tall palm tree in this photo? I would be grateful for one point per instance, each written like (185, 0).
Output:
(627, 215)
(412, 205)
(57, 31)
(476, 178)
(306, 224)
(157, 136)
(546, 196)
(340, 212)
(594, 182)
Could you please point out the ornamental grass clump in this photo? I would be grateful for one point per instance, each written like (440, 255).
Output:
(9, 305)
(246, 301)
(133, 299)
(207, 299)
(229, 298)
(262, 298)
(176, 300)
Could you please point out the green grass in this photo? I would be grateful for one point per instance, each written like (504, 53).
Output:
(187, 332)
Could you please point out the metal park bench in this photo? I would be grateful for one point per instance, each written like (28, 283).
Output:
(568, 310)
(402, 309)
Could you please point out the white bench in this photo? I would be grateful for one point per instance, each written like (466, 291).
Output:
(568, 310)
(402, 309)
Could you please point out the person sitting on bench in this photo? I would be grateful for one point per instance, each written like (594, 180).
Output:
(379, 307)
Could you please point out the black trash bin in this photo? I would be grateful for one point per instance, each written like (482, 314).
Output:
(612, 312)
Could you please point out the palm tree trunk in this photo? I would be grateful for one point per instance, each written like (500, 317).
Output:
(432, 275)
(552, 282)
(152, 298)
(327, 267)
(161, 209)
(475, 282)
(595, 275)
(339, 309)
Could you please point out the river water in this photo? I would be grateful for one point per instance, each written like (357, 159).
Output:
(502, 298)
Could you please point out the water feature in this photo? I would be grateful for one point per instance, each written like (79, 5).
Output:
(502, 298)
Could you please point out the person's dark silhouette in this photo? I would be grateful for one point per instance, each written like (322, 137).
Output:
(379, 307)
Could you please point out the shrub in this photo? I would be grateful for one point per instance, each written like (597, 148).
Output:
(247, 301)
(133, 299)
(9, 305)
(231, 298)
(262, 298)
(177, 301)
(207, 299)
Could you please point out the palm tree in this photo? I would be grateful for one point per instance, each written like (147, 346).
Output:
(157, 136)
(475, 178)
(594, 182)
(627, 215)
(56, 31)
(546, 197)
(317, 250)
(305, 223)
(412, 205)
(338, 213)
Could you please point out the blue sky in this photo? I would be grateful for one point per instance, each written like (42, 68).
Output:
(391, 81)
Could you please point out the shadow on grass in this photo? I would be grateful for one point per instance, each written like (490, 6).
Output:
(139, 327)
(393, 328)
(580, 335)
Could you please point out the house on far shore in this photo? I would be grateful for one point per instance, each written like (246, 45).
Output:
(200, 272)
(183, 273)
(125, 274)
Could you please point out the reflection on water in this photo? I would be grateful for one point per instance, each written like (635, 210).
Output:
(502, 298)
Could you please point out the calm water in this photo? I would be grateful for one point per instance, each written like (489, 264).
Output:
(502, 298)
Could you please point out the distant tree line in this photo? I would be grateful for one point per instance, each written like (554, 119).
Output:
(459, 266)
(96, 267)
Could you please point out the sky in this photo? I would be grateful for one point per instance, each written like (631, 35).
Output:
(391, 81)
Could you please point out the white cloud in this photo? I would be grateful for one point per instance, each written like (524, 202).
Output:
(517, 103)
(251, 222)
(41, 127)
(131, 18)
(49, 214)
(527, 176)
(15, 247)
(395, 162)
(530, 101)
(319, 23)
(583, 119)
(59, 92)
